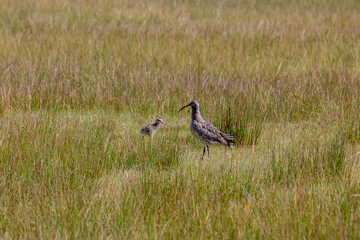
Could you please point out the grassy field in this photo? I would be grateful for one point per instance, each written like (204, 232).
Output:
(79, 78)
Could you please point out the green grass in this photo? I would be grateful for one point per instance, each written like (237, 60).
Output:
(79, 78)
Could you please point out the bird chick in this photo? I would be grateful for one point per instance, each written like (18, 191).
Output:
(151, 128)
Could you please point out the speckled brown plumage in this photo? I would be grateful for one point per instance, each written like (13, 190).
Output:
(204, 131)
(151, 128)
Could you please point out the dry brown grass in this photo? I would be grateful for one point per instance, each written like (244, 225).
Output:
(78, 79)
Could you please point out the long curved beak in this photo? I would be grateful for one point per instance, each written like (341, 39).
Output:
(183, 107)
(163, 123)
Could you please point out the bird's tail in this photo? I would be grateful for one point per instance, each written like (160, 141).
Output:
(230, 139)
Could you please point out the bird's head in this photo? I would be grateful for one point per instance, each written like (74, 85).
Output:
(159, 120)
(193, 104)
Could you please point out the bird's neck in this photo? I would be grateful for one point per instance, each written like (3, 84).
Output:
(156, 124)
(195, 115)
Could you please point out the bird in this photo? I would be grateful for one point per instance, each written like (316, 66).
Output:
(205, 132)
(151, 128)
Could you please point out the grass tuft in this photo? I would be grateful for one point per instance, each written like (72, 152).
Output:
(311, 158)
(244, 124)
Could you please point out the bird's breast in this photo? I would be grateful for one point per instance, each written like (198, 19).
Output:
(192, 129)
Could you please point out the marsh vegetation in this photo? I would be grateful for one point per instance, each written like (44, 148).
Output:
(79, 78)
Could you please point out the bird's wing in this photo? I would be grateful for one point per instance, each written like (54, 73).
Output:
(228, 137)
(209, 132)
(145, 129)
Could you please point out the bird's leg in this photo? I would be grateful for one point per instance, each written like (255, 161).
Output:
(208, 151)
(203, 153)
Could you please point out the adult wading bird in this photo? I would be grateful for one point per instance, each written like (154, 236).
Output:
(151, 128)
(204, 131)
